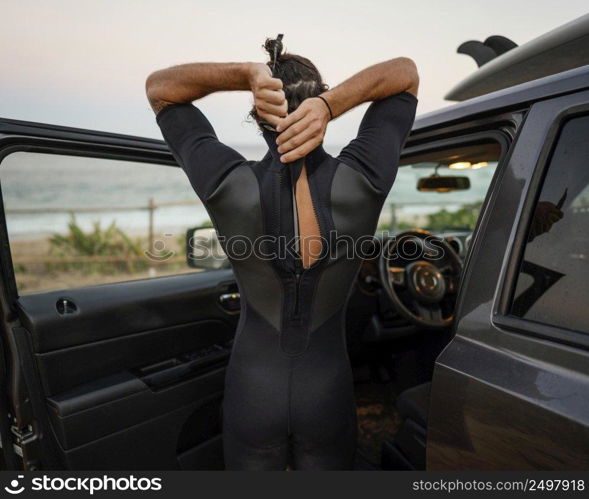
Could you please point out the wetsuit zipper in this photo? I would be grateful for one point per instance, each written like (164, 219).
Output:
(298, 273)
(299, 269)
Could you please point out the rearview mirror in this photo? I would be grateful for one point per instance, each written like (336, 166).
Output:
(440, 183)
(203, 249)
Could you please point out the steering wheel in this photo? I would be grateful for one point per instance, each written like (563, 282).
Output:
(420, 273)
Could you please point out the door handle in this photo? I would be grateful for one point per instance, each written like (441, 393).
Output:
(231, 302)
(65, 306)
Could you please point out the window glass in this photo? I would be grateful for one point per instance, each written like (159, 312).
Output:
(553, 282)
(76, 221)
(442, 191)
(439, 212)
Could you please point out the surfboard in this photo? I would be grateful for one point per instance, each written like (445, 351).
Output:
(563, 48)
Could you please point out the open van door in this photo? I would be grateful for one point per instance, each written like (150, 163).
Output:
(113, 349)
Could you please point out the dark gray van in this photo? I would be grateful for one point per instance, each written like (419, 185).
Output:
(476, 357)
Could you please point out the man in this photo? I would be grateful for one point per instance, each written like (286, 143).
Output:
(289, 389)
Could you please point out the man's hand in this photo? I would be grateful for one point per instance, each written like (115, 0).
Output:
(269, 98)
(303, 130)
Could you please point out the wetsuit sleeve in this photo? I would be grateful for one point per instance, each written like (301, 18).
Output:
(196, 148)
(376, 149)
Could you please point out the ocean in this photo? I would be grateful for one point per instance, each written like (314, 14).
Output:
(41, 190)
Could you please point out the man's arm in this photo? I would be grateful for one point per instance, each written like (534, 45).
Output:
(189, 135)
(189, 82)
(374, 83)
(304, 129)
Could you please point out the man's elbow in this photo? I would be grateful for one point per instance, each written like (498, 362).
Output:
(411, 74)
(154, 87)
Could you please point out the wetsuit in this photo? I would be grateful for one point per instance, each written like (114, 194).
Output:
(289, 388)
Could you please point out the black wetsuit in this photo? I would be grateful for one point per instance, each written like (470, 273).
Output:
(289, 389)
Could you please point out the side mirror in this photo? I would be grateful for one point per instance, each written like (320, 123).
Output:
(203, 249)
(440, 183)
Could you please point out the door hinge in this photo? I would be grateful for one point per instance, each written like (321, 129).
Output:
(23, 438)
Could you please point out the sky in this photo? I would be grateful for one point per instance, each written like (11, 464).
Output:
(83, 63)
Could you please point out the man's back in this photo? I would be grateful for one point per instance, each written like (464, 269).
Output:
(253, 206)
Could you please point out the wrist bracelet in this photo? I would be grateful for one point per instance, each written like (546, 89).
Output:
(328, 106)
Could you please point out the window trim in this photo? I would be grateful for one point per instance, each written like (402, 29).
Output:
(10, 145)
(514, 254)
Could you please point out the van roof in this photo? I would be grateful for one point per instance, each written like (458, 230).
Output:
(518, 96)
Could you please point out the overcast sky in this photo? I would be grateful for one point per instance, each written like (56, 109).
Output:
(83, 63)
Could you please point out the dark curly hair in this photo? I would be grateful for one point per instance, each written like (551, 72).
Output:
(300, 78)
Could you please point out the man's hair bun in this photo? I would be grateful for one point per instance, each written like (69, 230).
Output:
(300, 78)
(274, 44)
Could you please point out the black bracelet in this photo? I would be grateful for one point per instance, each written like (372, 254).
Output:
(328, 106)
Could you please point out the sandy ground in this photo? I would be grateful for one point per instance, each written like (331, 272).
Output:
(378, 418)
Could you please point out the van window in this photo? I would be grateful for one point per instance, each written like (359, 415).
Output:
(77, 221)
(553, 281)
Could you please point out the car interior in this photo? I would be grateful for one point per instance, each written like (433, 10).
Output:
(128, 374)
(395, 333)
